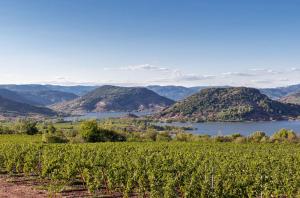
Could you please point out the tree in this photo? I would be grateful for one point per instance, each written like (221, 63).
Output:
(88, 129)
(26, 126)
(90, 132)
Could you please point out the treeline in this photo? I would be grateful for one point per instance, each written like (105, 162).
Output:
(117, 130)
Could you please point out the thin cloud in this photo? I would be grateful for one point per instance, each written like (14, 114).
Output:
(143, 67)
(237, 74)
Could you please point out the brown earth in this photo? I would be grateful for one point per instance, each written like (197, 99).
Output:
(16, 190)
(26, 187)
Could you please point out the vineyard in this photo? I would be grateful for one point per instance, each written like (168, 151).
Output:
(161, 169)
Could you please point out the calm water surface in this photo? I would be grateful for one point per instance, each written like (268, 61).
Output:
(244, 128)
(210, 128)
(104, 115)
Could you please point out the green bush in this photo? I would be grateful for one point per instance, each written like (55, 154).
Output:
(26, 126)
(52, 138)
(149, 135)
(163, 136)
(284, 135)
(257, 136)
(90, 132)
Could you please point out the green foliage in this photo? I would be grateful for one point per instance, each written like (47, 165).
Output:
(257, 136)
(163, 136)
(26, 126)
(50, 128)
(284, 134)
(162, 169)
(90, 132)
(88, 129)
(53, 138)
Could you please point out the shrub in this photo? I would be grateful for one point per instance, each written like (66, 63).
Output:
(284, 135)
(25, 126)
(257, 136)
(240, 140)
(185, 137)
(51, 129)
(149, 135)
(163, 136)
(90, 132)
(52, 138)
(222, 139)
(235, 135)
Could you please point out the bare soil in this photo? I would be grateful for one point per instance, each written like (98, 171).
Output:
(19, 186)
(10, 189)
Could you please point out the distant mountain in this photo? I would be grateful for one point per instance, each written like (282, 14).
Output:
(173, 92)
(29, 88)
(39, 95)
(15, 96)
(229, 104)
(292, 98)
(277, 93)
(10, 108)
(78, 90)
(177, 92)
(113, 98)
(48, 97)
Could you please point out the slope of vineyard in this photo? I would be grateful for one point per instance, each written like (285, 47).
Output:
(163, 169)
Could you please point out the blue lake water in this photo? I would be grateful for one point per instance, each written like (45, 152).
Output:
(210, 128)
(244, 128)
(104, 115)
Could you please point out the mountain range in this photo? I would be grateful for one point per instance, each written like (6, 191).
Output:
(178, 92)
(82, 99)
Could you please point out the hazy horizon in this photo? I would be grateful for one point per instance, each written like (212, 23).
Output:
(140, 42)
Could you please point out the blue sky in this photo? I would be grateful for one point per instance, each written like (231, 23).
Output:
(242, 43)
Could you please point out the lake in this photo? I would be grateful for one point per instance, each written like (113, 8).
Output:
(104, 115)
(244, 128)
(210, 128)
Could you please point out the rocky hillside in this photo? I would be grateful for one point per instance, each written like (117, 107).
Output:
(113, 98)
(292, 99)
(229, 104)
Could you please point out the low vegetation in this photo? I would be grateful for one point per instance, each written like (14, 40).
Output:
(160, 169)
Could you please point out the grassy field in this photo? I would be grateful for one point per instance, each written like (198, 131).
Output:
(20, 138)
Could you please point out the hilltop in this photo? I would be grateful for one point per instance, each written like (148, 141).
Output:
(229, 104)
(114, 98)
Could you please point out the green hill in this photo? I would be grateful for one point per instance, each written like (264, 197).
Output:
(229, 104)
(113, 98)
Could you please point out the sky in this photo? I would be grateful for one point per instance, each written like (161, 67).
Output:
(140, 42)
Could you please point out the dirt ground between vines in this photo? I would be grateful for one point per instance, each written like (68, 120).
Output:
(23, 187)
(16, 189)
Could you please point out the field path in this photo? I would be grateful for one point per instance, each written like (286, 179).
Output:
(13, 190)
